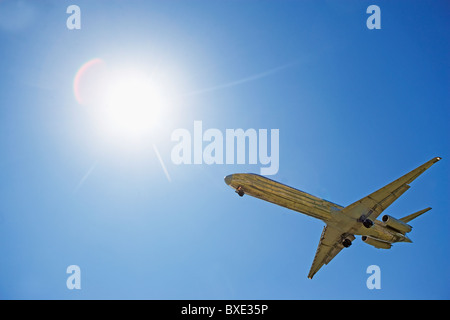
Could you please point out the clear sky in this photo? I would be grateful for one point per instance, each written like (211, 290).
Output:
(355, 108)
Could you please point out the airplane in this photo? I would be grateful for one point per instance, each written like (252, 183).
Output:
(342, 224)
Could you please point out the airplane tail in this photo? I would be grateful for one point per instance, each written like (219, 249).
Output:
(414, 215)
(401, 225)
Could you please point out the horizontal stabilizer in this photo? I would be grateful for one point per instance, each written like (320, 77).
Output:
(414, 215)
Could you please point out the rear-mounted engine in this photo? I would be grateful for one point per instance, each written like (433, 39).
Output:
(396, 224)
(376, 243)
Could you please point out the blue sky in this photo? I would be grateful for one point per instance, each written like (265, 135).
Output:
(355, 108)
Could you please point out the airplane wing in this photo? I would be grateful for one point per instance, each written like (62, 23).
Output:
(329, 246)
(375, 203)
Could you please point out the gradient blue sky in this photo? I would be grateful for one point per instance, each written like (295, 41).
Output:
(356, 109)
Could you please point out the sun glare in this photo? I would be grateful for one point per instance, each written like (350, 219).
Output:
(125, 102)
(131, 103)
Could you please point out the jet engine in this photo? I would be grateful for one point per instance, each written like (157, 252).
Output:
(376, 243)
(396, 224)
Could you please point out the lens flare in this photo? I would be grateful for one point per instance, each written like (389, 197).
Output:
(86, 78)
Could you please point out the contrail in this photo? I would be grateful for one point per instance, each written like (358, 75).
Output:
(85, 177)
(162, 163)
(243, 80)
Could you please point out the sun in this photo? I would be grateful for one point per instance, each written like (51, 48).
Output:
(131, 102)
(123, 101)
(128, 107)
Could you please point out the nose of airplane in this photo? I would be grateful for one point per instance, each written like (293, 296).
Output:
(228, 179)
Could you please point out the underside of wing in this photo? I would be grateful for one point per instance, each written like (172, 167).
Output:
(375, 203)
(331, 243)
